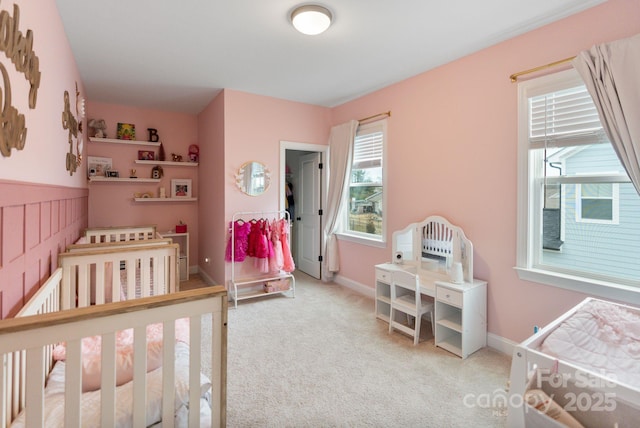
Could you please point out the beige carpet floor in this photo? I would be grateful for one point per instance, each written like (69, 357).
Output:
(322, 359)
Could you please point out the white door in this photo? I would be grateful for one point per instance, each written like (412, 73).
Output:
(307, 215)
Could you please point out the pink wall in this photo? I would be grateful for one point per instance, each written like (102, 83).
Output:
(43, 159)
(37, 221)
(254, 125)
(42, 207)
(452, 151)
(211, 134)
(112, 204)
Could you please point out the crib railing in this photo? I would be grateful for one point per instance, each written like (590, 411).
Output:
(13, 370)
(79, 247)
(96, 276)
(122, 233)
(28, 338)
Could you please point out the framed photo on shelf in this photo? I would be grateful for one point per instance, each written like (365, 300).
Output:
(181, 188)
(146, 155)
(126, 131)
(98, 166)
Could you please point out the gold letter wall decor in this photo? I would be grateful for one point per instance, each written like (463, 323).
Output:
(69, 122)
(19, 49)
(13, 132)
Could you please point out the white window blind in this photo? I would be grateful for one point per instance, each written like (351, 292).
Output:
(367, 149)
(558, 118)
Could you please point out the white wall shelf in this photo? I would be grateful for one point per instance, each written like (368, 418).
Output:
(165, 199)
(166, 163)
(129, 142)
(101, 179)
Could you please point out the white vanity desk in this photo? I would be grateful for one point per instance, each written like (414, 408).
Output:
(429, 248)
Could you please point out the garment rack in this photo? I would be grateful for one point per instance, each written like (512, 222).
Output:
(234, 282)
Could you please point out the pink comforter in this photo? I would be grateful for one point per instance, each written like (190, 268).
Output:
(91, 353)
(602, 337)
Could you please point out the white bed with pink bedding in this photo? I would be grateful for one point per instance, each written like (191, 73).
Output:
(102, 363)
(586, 365)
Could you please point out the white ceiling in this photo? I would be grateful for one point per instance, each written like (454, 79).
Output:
(177, 55)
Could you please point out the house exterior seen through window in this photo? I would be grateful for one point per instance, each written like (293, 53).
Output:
(363, 211)
(579, 214)
(597, 203)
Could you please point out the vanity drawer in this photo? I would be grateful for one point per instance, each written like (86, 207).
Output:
(449, 296)
(383, 276)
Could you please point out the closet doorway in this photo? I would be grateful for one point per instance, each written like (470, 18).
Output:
(302, 193)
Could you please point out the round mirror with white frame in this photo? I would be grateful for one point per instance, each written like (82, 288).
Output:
(253, 178)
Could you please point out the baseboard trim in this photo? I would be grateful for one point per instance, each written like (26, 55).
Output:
(494, 341)
(500, 344)
(354, 286)
(207, 279)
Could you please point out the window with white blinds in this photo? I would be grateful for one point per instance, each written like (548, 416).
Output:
(367, 149)
(561, 117)
(364, 206)
(578, 221)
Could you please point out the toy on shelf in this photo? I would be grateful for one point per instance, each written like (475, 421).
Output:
(194, 153)
(98, 128)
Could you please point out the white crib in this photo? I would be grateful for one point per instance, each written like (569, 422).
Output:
(62, 311)
(577, 388)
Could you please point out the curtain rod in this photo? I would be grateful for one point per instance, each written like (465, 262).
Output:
(386, 113)
(514, 76)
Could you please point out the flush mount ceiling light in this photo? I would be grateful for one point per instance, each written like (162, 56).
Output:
(311, 19)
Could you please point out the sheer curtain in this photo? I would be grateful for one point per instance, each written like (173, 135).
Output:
(611, 72)
(340, 156)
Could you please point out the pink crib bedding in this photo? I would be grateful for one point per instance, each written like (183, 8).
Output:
(602, 337)
(90, 401)
(92, 348)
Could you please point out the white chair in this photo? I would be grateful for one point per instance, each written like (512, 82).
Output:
(406, 298)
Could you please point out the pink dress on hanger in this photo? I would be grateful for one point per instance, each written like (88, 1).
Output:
(277, 258)
(254, 237)
(261, 254)
(288, 265)
(241, 231)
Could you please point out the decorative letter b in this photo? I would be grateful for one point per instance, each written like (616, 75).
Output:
(153, 135)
